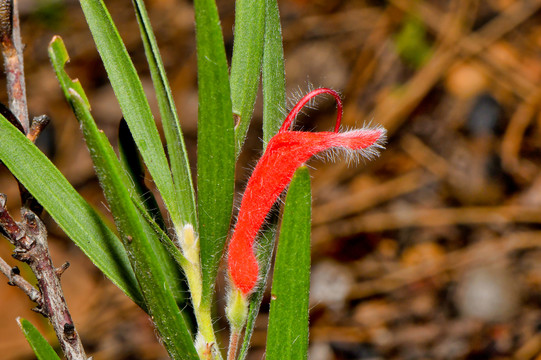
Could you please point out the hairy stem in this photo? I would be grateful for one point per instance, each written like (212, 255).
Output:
(234, 340)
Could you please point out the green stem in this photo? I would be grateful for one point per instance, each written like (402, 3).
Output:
(205, 339)
(206, 330)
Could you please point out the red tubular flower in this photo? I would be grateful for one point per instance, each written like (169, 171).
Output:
(285, 153)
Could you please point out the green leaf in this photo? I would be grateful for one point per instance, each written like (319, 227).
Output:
(274, 83)
(141, 194)
(72, 213)
(215, 144)
(265, 246)
(131, 97)
(131, 162)
(287, 336)
(148, 267)
(246, 63)
(164, 238)
(42, 349)
(176, 149)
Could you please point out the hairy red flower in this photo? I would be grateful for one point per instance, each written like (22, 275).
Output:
(285, 153)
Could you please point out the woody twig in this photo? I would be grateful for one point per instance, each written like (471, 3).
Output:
(29, 236)
(15, 279)
(11, 46)
(30, 240)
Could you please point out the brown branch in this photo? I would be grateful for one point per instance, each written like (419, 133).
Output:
(11, 230)
(11, 47)
(14, 279)
(38, 124)
(30, 240)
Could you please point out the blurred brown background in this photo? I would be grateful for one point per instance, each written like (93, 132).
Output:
(430, 252)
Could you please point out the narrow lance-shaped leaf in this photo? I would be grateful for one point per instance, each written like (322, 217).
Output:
(71, 212)
(246, 63)
(39, 344)
(273, 73)
(147, 267)
(176, 149)
(215, 144)
(273, 84)
(287, 337)
(131, 97)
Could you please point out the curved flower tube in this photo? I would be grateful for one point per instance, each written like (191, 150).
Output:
(285, 153)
